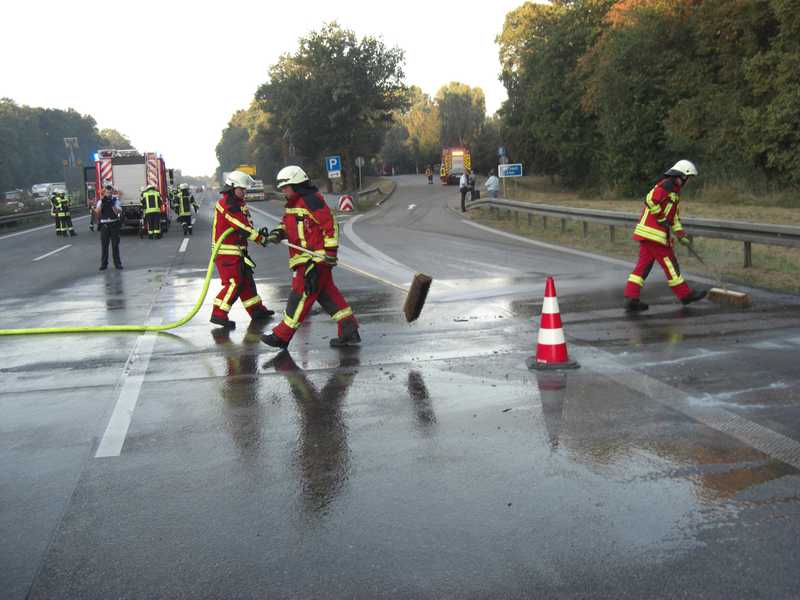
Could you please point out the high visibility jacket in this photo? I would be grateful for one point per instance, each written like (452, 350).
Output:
(660, 213)
(66, 205)
(230, 211)
(184, 203)
(151, 201)
(308, 222)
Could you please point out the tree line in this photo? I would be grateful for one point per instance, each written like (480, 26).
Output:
(344, 95)
(608, 93)
(601, 94)
(32, 143)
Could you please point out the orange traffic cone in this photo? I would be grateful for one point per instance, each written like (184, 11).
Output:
(551, 349)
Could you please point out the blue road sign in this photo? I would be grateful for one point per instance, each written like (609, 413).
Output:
(333, 163)
(514, 170)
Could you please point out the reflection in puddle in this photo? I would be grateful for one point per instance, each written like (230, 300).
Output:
(323, 454)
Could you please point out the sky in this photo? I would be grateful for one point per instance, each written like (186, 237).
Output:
(170, 74)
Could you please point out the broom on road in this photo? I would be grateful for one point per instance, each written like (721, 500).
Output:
(720, 294)
(416, 293)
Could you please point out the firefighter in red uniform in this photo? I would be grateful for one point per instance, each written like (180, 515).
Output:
(308, 222)
(234, 266)
(659, 216)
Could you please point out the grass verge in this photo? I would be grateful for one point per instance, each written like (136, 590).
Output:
(774, 267)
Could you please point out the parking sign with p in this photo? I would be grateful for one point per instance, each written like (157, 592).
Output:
(333, 165)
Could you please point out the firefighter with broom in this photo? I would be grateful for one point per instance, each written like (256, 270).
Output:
(308, 224)
(660, 215)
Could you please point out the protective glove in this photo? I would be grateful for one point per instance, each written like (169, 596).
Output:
(260, 238)
(331, 260)
(276, 235)
(311, 279)
(683, 239)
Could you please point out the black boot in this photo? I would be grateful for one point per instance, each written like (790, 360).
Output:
(351, 338)
(635, 305)
(694, 297)
(226, 323)
(273, 341)
(262, 315)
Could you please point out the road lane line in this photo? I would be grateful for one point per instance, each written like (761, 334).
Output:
(366, 248)
(11, 235)
(133, 378)
(566, 250)
(763, 439)
(52, 252)
(184, 243)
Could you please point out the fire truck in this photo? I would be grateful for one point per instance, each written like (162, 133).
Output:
(128, 171)
(454, 161)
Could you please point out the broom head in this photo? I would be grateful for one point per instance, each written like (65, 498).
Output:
(417, 293)
(723, 296)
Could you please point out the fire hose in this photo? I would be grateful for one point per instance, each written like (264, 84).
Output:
(117, 328)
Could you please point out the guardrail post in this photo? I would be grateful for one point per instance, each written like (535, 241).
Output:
(611, 233)
(516, 218)
(530, 219)
(544, 221)
(585, 229)
(563, 225)
(748, 255)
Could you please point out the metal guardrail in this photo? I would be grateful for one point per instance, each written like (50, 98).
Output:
(747, 233)
(6, 219)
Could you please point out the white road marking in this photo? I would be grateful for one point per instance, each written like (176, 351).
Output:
(366, 248)
(184, 243)
(52, 252)
(132, 380)
(412, 206)
(32, 229)
(763, 439)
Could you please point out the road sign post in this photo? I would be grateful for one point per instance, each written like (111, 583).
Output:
(359, 164)
(505, 170)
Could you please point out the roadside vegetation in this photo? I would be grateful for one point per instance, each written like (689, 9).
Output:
(774, 267)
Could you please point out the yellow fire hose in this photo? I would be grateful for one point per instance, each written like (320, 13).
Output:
(113, 328)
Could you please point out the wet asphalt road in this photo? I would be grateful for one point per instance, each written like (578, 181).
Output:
(429, 463)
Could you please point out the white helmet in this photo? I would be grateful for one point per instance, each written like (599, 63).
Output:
(290, 175)
(239, 179)
(184, 186)
(683, 168)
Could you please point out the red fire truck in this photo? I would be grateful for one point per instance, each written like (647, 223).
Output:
(128, 171)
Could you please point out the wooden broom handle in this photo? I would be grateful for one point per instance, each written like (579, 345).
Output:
(348, 267)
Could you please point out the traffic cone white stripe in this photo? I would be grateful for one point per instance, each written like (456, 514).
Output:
(551, 349)
(551, 337)
(550, 306)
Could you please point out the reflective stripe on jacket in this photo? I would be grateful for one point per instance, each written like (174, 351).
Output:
(308, 222)
(151, 202)
(229, 211)
(660, 213)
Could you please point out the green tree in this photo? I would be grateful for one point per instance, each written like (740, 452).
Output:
(462, 111)
(424, 128)
(336, 94)
(484, 148)
(772, 125)
(111, 138)
(32, 148)
(543, 121)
